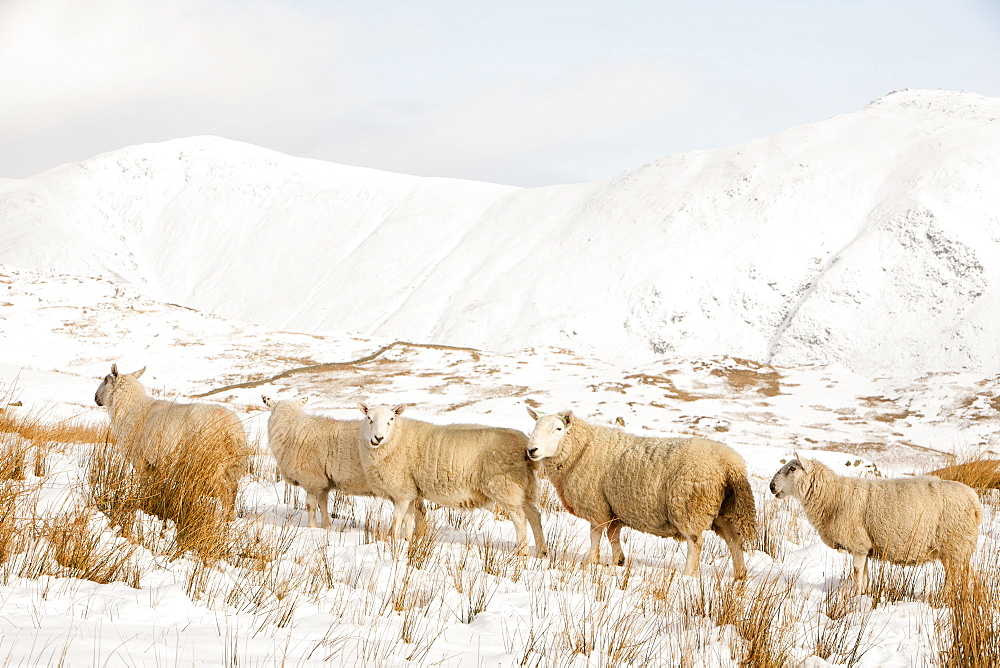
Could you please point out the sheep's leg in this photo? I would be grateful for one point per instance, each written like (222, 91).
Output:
(614, 537)
(694, 555)
(735, 544)
(419, 511)
(323, 498)
(517, 516)
(956, 572)
(860, 572)
(229, 504)
(311, 508)
(408, 523)
(535, 521)
(400, 509)
(594, 557)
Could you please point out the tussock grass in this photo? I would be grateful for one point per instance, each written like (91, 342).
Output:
(969, 625)
(41, 432)
(978, 473)
(78, 547)
(395, 602)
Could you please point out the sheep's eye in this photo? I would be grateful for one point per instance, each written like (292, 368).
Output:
(791, 468)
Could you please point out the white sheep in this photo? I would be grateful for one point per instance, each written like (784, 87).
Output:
(458, 466)
(318, 454)
(157, 433)
(901, 520)
(670, 487)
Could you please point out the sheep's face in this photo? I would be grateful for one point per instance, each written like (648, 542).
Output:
(380, 422)
(786, 481)
(111, 382)
(101, 397)
(547, 435)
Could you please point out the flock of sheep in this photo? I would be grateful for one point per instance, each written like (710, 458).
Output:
(670, 487)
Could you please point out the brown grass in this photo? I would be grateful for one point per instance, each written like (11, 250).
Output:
(180, 492)
(978, 473)
(36, 429)
(76, 546)
(642, 613)
(665, 384)
(970, 627)
(748, 375)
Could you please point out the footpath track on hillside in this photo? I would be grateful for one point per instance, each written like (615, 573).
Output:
(330, 366)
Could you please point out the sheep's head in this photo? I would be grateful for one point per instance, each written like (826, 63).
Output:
(380, 422)
(272, 404)
(548, 433)
(787, 481)
(112, 382)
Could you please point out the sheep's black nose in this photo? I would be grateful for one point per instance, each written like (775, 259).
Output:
(532, 451)
(773, 490)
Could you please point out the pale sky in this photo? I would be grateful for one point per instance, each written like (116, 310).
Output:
(521, 92)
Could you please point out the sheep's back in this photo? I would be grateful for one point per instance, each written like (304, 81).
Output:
(340, 457)
(452, 464)
(168, 427)
(907, 518)
(657, 483)
(466, 451)
(294, 439)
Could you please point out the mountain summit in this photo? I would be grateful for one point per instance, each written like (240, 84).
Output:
(870, 239)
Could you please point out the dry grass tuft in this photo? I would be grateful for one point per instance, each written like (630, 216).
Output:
(977, 473)
(970, 625)
(34, 426)
(181, 493)
(762, 611)
(75, 545)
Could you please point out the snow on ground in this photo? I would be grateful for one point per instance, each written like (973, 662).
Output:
(59, 334)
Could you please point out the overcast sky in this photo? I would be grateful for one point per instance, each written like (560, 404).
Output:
(527, 92)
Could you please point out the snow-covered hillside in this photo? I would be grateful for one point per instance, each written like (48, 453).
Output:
(345, 597)
(870, 239)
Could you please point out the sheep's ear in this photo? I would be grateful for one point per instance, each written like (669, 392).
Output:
(114, 370)
(805, 463)
(567, 418)
(363, 408)
(533, 413)
(136, 374)
(398, 410)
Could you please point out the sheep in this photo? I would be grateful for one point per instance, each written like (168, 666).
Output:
(457, 466)
(902, 520)
(318, 454)
(669, 487)
(155, 433)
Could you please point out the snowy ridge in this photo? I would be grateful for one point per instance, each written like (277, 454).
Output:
(870, 239)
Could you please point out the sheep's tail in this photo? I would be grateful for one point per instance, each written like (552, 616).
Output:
(738, 506)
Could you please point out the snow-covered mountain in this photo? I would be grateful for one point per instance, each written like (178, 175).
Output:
(870, 239)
